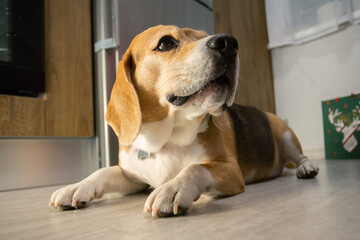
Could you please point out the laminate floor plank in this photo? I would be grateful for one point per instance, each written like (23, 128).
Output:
(327, 207)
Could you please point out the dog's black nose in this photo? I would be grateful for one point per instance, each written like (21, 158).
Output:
(225, 44)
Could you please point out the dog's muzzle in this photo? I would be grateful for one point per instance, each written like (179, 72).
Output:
(227, 46)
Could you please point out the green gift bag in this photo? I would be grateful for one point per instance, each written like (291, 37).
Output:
(341, 120)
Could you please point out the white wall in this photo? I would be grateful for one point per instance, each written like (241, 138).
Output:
(305, 75)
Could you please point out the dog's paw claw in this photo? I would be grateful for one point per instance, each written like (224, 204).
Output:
(71, 197)
(64, 207)
(171, 199)
(307, 170)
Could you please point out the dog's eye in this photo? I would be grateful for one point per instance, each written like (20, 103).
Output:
(166, 43)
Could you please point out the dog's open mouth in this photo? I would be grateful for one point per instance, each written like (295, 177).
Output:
(210, 86)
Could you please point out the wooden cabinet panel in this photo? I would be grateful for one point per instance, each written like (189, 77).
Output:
(246, 21)
(22, 116)
(68, 71)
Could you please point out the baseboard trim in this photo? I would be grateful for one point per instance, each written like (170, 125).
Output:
(26, 163)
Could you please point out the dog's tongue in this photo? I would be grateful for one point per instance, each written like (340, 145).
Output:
(176, 100)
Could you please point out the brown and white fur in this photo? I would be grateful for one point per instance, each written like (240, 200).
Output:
(173, 99)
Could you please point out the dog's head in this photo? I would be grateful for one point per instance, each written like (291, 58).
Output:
(168, 69)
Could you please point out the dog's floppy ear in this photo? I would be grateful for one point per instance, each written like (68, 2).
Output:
(123, 111)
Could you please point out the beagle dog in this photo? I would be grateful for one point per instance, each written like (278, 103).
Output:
(178, 129)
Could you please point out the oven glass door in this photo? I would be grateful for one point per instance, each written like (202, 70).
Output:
(22, 47)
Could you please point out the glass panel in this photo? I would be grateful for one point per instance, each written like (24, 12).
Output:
(356, 10)
(5, 29)
(294, 22)
(305, 14)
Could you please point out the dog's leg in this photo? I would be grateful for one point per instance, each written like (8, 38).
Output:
(104, 180)
(177, 195)
(290, 150)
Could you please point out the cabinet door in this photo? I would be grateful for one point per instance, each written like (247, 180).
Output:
(246, 21)
(66, 109)
(22, 116)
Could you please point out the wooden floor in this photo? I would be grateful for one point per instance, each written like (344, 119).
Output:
(327, 207)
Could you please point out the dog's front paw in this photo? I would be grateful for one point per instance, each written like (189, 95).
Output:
(73, 196)
(307, 170)
(171, 199)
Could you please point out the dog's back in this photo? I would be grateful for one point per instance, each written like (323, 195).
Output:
(255, 144)
(265, 144)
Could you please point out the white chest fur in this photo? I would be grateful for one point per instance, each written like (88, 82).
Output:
(164, 165)
(173, 145)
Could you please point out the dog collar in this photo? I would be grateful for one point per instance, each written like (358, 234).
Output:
(142, 155)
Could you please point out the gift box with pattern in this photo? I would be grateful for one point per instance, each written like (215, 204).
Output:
(341, 120)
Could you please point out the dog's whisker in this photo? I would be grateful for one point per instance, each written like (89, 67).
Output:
(182, 69)
(181, 77)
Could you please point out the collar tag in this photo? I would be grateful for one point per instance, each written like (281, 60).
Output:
(141, 155)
